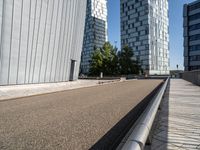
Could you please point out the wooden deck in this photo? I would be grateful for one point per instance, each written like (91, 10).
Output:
(177, 125)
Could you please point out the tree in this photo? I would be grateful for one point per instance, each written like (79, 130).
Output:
(96, 64)
(104, 60)
(127, 63)
(115, 63)
(108, 61)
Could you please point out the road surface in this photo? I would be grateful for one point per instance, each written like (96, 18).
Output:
(74, 119)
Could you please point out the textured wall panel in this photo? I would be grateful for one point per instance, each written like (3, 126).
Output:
(39, 38)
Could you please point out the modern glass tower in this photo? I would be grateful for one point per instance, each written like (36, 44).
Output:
(144, 28)
(40, 40)
(95, 31)
(191, 26)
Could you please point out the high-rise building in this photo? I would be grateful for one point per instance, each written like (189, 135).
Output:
(191, 24)
(144, 28)
(40, 40)
(95, 31)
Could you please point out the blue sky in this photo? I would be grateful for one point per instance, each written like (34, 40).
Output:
(176, 28)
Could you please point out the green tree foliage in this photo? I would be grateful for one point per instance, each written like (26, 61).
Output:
(96, 65)
(108, 61)
(104, 60)
(128, 65)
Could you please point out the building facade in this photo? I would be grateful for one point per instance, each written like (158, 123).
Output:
(144, 28)
(95, 31)
(191, 25)
(40, 40)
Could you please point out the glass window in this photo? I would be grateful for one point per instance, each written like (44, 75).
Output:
(195, 6)
(194, 68)
(194, 48)
(194, 17)
(194, 37)
(195, 58)
(194, 27)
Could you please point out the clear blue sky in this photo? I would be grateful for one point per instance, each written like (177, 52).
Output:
(176, 28)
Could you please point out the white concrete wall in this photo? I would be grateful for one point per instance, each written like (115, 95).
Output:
(39, 38)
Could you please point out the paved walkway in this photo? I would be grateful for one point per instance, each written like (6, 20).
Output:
(178, 123)
(69, 120)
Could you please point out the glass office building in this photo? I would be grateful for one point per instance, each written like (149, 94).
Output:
(40, 40)
(191, 24)
(95, 31)
(144, 28)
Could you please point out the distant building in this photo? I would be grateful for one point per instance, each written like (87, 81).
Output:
(191, 26)
(95, 31)
(40, 40)
(144, 28)
(176, 73)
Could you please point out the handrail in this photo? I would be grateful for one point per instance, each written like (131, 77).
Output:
(140, 133)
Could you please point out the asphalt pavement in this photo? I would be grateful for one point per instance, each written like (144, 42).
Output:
(73, 119)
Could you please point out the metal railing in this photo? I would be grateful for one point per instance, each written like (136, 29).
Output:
(138, 137)
(192, 76)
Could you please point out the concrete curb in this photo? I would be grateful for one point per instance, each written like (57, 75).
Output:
(140, 133)
(26, 93)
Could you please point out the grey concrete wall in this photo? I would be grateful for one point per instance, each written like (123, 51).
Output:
(39, 38)
(192, 76)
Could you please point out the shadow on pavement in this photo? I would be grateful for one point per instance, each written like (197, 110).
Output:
(115, 135)
(159, 131)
